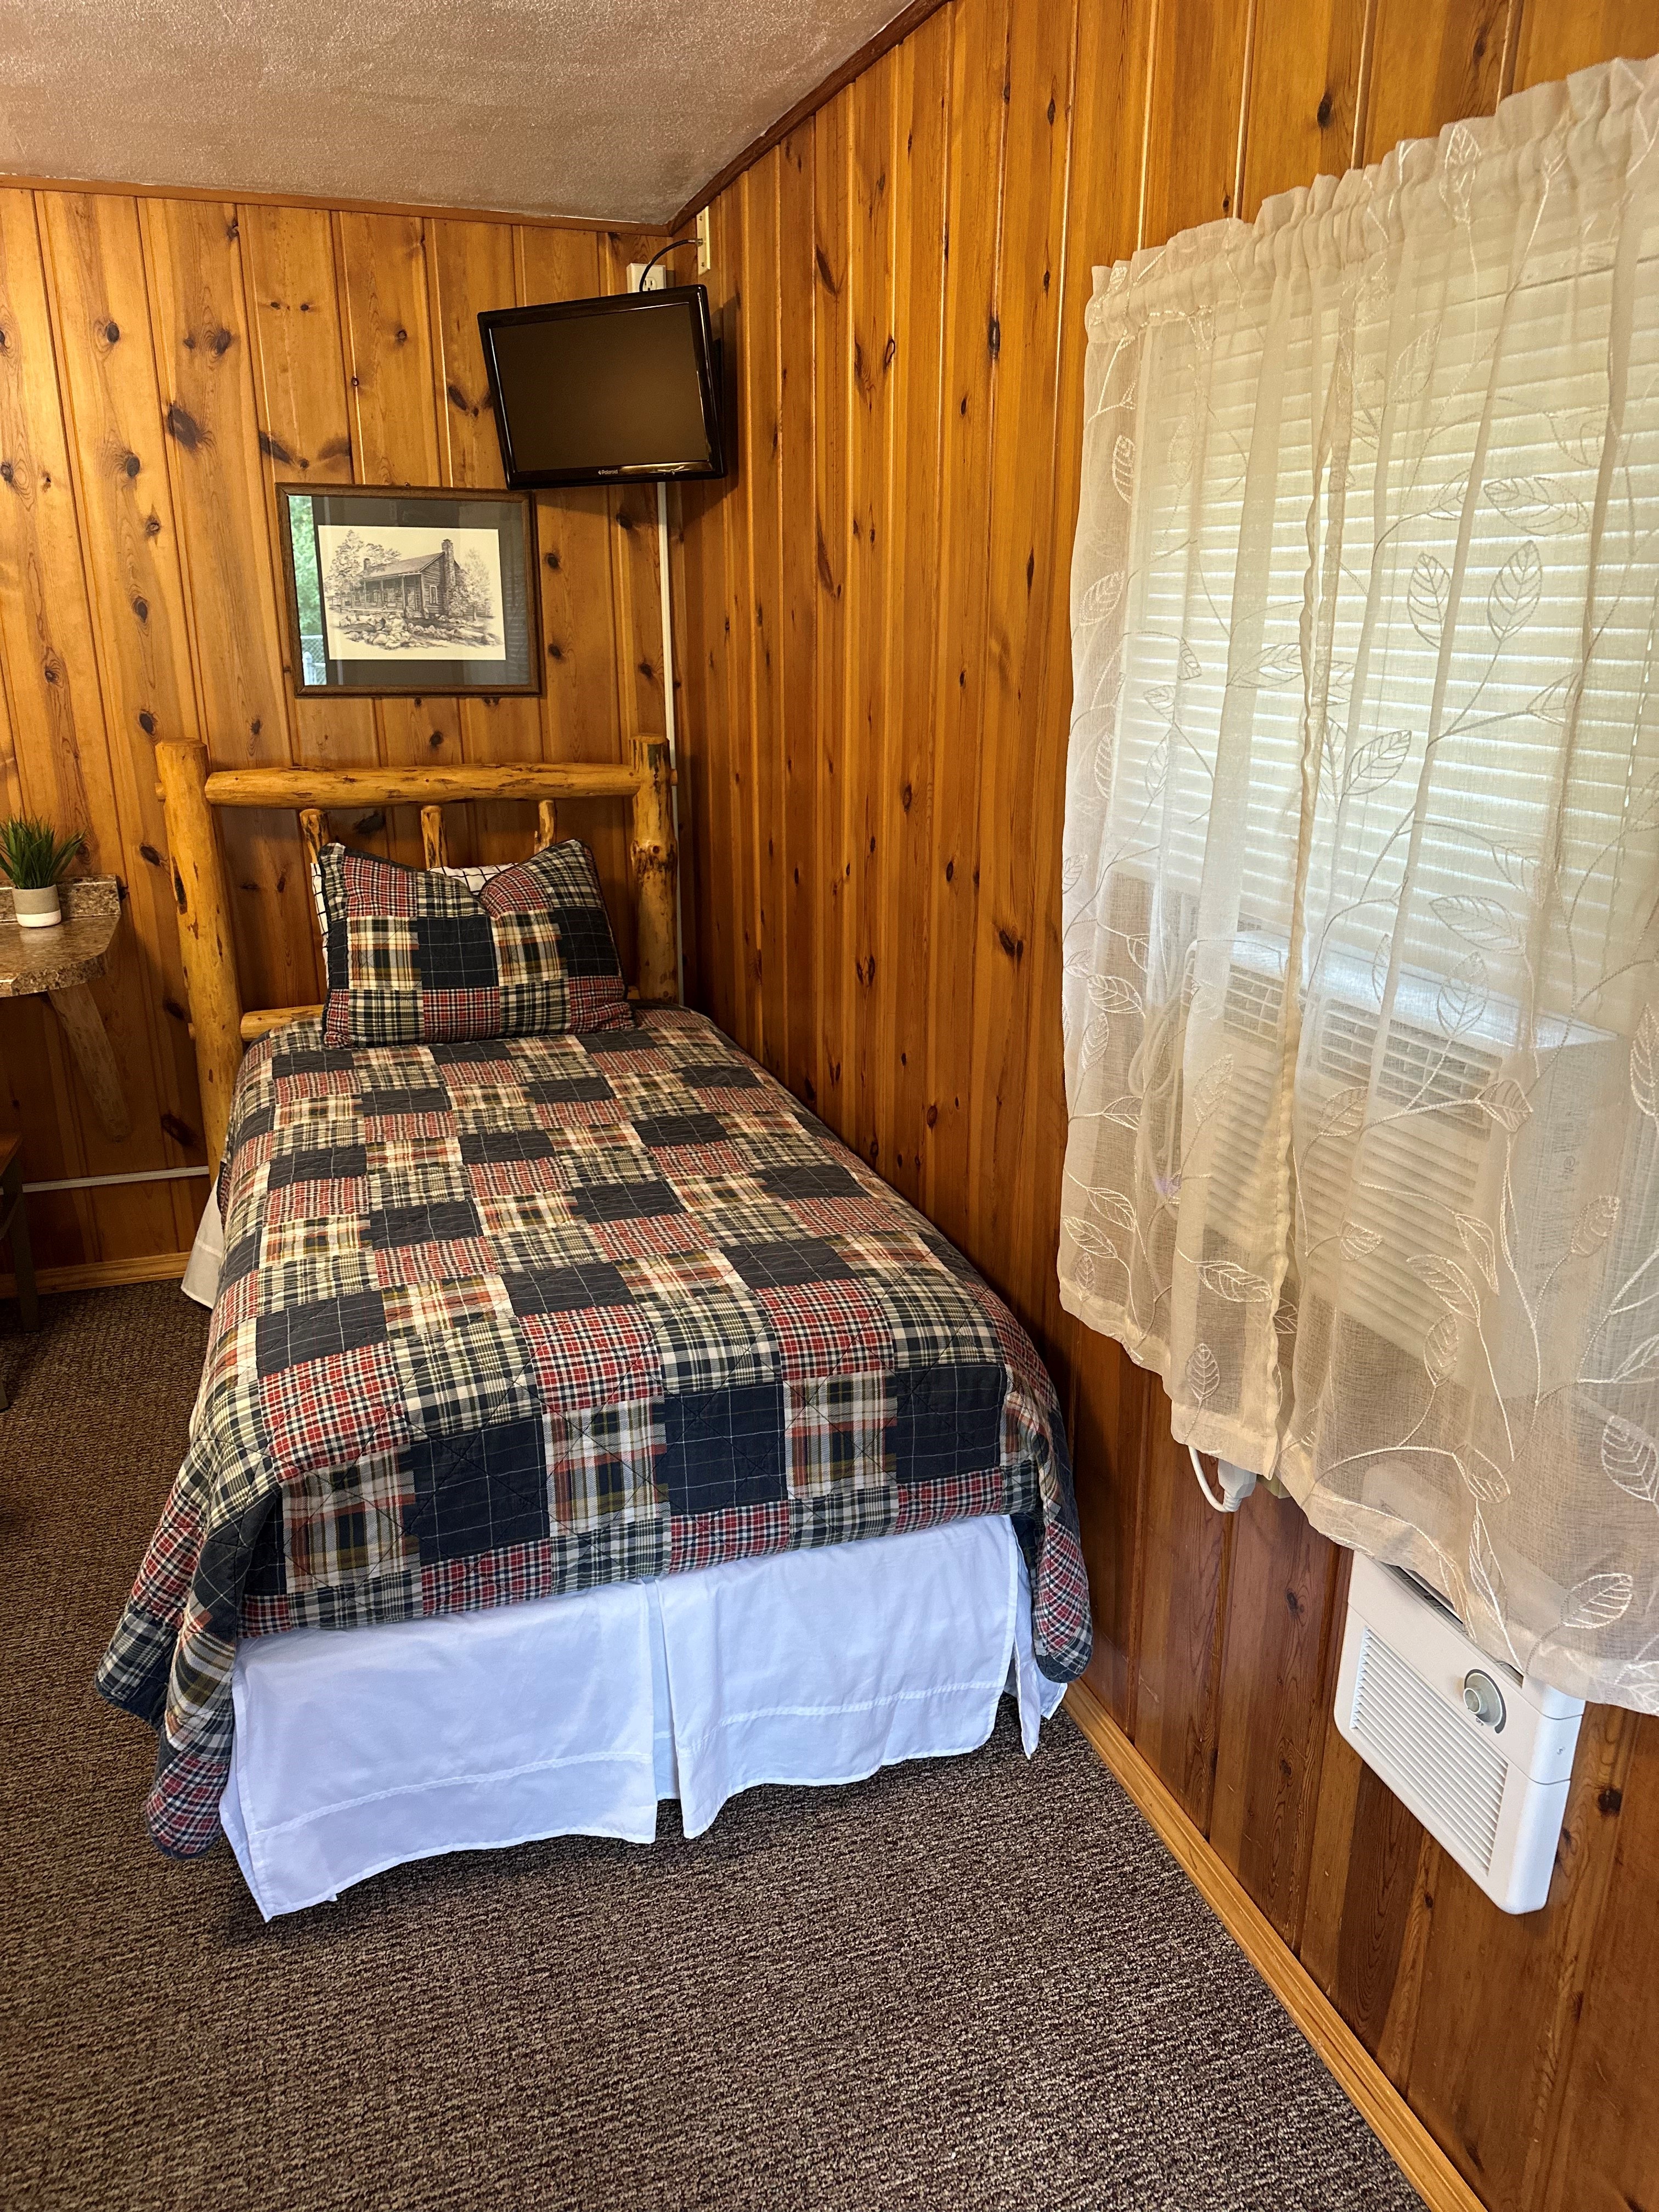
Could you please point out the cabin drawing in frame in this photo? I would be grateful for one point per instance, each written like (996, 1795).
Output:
(410, 592)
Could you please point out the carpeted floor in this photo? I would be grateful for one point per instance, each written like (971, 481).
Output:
(969, 1984)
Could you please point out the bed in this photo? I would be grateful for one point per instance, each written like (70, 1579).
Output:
(647, 1444)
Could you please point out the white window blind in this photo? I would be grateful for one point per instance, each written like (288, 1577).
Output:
(1362, 860)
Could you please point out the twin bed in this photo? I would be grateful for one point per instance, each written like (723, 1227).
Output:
(656, 1447)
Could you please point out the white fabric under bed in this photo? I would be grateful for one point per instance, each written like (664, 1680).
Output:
(207, 1254)
(357, 1750)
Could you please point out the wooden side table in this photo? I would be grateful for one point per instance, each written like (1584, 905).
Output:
(59, 963)
(14, 1226)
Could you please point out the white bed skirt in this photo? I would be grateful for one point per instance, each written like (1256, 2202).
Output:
(574, 1715)
(207, 1254)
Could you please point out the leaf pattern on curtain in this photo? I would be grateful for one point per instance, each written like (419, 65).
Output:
(1361, 872)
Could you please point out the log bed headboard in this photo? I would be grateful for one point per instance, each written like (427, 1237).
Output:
(190, 790)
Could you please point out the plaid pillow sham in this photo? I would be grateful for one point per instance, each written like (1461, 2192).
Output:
(415, 956)
(474, 879)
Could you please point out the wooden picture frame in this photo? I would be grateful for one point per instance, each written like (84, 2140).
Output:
(397, 592)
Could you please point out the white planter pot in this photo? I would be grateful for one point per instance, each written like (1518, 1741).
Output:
(37, 909)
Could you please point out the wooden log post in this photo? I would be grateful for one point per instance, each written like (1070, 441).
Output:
(418, 786)
(204, 932)
(547, 824)
(263, 1019)
(656, 872)
(433, 849)
(313, 836)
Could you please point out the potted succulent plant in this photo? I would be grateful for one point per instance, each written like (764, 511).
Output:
(33, 859)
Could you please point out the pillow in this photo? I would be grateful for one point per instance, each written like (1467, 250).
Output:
(415, 956)
(474, 879)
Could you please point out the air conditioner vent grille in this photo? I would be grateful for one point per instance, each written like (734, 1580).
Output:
(1412, 1736)
(1254, 1003)
(1420, 1068)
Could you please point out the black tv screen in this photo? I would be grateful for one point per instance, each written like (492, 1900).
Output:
(608, 391)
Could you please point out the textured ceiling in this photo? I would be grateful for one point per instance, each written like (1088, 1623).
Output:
(538, 106)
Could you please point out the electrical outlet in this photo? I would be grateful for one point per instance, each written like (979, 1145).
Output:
(656, 281)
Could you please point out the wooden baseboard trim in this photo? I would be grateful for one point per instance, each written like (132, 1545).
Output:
(1356, 2072)
(104, 1274)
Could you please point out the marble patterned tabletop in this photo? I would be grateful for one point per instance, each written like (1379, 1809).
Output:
(33, 960)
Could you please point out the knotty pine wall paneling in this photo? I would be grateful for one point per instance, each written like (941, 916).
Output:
(164, 365)
(920, 206)
(824, 1016)
(198, 314)
(54, 685)
(878, 693)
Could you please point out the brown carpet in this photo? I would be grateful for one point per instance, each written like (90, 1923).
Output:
(974, 1984)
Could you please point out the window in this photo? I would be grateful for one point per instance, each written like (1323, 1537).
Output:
(1362, 859)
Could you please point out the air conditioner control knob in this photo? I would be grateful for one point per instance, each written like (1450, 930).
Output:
(1483, 1698)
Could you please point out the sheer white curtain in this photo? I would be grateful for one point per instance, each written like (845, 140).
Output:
(1361, 881)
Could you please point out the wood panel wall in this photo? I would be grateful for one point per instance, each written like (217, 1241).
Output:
(164, 363)
(876, 670)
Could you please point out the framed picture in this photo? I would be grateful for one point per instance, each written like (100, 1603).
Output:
(406, 593)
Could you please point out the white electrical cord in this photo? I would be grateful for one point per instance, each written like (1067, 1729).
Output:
(669, 732)
(1220, 1504)
(103, 1182)
(1233, 1493)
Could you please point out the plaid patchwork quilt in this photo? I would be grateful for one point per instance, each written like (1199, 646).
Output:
(519, 1315)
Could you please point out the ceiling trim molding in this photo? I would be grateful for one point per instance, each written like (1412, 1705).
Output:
(885, 40)
(227, 196)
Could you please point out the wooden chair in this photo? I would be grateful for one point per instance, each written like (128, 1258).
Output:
(13, 1226)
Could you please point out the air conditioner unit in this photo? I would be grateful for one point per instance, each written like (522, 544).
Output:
(1482, 1756)
(1420, 1169)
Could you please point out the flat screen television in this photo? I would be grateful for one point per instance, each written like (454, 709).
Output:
(619, 390)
